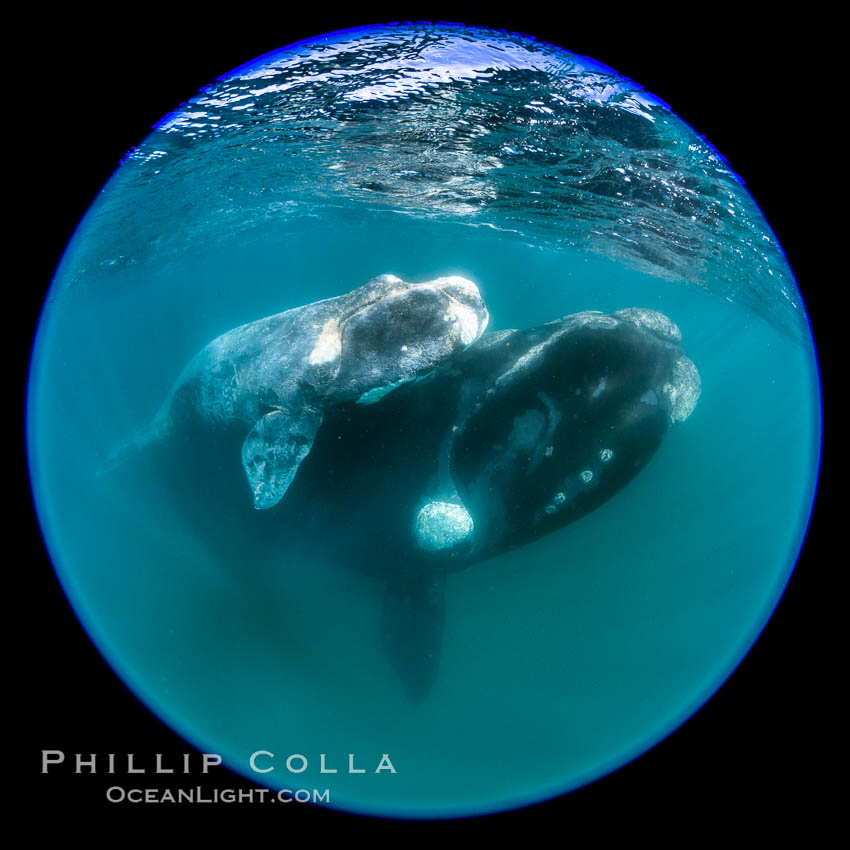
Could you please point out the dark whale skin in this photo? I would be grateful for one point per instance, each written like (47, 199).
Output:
(522, 433)
(454, 436)
(512, 444)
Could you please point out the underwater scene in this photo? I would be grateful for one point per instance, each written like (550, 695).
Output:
(427, 403)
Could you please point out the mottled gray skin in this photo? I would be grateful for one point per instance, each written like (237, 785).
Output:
(280, 374)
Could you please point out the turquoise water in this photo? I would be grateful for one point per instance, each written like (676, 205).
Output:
(557, 187)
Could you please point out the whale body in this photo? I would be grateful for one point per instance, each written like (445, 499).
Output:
(511, 439)
(276, 378)
(415, 473)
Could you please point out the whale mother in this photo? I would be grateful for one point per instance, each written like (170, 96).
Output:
(278, 376)
(511, 439)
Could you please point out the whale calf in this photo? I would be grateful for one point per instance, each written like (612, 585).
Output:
(277, 377)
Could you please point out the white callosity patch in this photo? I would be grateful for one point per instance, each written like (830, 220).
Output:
(329, 345)
(586, 476)
(683, 391)
(468, 326)
(605, 455)
(465, 286)
(442, 525)
(462, 294)
(653, 321)
(557, 501)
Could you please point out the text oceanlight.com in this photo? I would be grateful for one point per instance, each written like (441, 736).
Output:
(117, 794)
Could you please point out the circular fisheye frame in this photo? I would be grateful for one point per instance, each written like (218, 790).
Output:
(426, 417)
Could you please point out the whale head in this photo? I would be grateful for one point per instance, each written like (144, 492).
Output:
(566, 415)
(405, 331)
(376, 338)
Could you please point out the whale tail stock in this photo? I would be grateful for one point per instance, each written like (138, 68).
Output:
(133, 444)
(412, 629)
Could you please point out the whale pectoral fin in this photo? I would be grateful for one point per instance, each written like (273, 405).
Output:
(274, 449)
(412, 630)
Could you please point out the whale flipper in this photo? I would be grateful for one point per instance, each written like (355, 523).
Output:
(412, 629)
(274, 449)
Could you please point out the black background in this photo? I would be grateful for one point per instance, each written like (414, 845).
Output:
(93, 86)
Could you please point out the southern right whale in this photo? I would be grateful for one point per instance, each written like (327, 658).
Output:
(274, 379)
(506, 440)
(516, 436)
